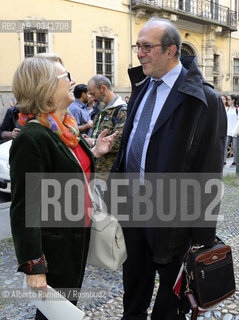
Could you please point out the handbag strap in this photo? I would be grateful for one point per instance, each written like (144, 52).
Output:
(94, 205)
(193, 305)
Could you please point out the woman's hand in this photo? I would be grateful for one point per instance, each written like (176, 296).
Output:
(37, 281)
(89, 140)
(104, 144)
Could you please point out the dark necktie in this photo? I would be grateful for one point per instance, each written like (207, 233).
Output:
(137, 144)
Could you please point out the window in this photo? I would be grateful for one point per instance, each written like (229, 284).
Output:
(216, 63)
(236, 74)
(237, 10)
(216, 71)
(35, 42)
(235, 84)
(105, 57)
(236, 66)
(216, 82)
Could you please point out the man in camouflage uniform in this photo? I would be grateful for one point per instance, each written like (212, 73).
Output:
(112, 116)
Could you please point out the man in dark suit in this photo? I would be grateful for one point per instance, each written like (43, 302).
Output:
(10, 128)
(185, 134)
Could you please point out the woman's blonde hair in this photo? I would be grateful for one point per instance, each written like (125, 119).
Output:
(34, 83)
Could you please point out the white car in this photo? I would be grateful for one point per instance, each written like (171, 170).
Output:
(5, 185)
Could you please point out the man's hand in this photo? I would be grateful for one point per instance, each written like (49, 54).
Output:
(104, 144)
(90, 124)
(87, 125)
(8, 135)
(15, 132)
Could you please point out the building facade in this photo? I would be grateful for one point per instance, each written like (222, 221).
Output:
(95, 37)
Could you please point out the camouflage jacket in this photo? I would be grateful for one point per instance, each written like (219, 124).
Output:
(113, 118)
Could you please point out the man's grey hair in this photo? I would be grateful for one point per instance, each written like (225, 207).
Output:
(100, 80)
(170, 36)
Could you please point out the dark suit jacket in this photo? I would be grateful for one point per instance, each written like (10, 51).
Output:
(189, 136)
(38, 150)
(10, 120)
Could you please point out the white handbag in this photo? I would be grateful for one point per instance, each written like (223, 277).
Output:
(107, 246)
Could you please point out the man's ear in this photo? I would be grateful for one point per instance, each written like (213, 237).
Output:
(103, 87)
(172, 51)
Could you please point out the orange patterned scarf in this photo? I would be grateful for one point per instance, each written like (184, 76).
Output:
(67, 130)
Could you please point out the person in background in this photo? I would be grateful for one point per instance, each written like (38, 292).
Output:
(93, 107)
(126, 98)
(235, 131)
(176, 123)
(232, 118)
(10, 128)
(80, 110)
(112, 116)
(90, 105)
(224, 100)
(49, 142)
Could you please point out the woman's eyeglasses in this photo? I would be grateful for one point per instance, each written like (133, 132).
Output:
(64, 75)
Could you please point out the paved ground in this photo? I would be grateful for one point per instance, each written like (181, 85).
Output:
(102, 290)
(4, 221)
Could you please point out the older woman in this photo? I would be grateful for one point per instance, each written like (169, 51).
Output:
(49, 142)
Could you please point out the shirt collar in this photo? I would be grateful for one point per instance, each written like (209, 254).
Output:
(170, 77)
(81, 104)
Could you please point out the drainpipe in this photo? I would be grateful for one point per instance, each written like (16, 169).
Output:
(229, 59)
(229, 53)
(130, 31)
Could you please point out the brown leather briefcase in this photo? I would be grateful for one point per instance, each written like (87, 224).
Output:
(208, 277)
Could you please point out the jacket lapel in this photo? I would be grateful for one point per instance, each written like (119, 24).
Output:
(174, 99)
(68, 152)
(132, 111)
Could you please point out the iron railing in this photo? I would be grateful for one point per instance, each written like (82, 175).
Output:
(203, 9)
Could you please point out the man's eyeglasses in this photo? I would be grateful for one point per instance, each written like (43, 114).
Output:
(146, 48)
(64, 75)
